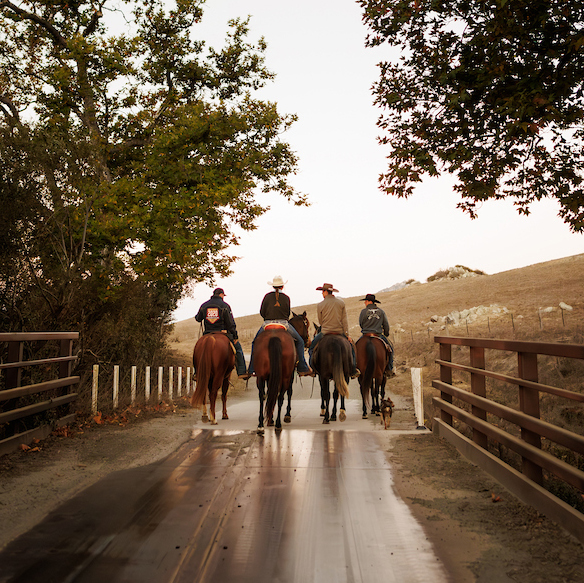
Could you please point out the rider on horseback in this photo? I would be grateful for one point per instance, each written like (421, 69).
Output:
(332, 318)
(275, 308)
(374, 321)
(217, 317)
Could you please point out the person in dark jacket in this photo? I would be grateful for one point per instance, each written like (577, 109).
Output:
(373, 320)
(216, 316)
(276, 308)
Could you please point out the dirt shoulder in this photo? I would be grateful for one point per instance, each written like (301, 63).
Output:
(478, 539)
(480, 530)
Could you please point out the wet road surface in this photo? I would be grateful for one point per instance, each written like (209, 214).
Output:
(309, 504)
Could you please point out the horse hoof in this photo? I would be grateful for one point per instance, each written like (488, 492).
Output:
(342, 415)
(364, 415)
(333, 417)
(278, 429)
(270, 424)
(214, 422)
(205, 419)
(322, 412)
(260, 430)
(325, 421)
(287, 419)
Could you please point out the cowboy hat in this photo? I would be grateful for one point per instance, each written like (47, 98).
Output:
(370, 298)
(278, 281)
(327, 287)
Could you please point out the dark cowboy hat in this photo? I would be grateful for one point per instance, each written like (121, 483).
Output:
(327, 287)
(370, 298)
(218, 291)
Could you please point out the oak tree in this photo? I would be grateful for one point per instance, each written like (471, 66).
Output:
(130, 155)
(490, 92)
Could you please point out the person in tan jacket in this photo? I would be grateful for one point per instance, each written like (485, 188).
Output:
(332, 319)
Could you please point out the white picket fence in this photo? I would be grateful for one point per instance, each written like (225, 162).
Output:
(188, 385)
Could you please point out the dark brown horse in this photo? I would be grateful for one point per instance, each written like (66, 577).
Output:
(333, 360)
(301, 325)
(213, 359)
(274, 358)
(372, 357)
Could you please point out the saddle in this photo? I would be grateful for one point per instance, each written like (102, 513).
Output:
(224, 333)
(388, 346)
(275, 326)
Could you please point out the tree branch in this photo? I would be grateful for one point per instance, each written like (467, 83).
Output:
(59, 40)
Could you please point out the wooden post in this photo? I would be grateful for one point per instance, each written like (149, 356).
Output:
(94, 388)
(116, 385)
(529, 404)
(147, 384)
(188, 381)
(179, 382)
(133, 386)
(478, 387)
(446, 377)
(170, 382)
(160, 373)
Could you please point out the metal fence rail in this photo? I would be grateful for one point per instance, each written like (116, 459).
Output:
(482, 416)
(21, 399)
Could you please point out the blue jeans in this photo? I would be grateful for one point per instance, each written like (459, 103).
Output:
(302, 366)
(317, 338)
(239, 359)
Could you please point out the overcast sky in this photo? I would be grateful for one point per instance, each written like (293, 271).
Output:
(352, 235)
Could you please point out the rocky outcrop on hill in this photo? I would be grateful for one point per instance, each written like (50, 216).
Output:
(456, 272)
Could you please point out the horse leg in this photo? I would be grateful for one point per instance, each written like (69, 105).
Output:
(224, 390)
(325, 396)
(342, 413)
(204, 414)
(375, 398)
(288, 416)
(280, 403)
(335, 399)
(212, 402)
(261, 394)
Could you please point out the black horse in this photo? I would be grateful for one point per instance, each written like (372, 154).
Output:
(332, 360)
(301, 325)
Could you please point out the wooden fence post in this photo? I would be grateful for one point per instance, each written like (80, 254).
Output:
(478, 387)
(147, 384)
(160, 373)
(133, 386)
(529, 404)
(170, 382)
(116, 385)
(94, 388)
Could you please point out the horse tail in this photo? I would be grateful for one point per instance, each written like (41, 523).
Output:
(339, 370)
(275, 378)
(204, 369)
(367, 381)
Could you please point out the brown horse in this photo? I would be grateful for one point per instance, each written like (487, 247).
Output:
(274, 358)
(372, 359)
(333, 360)
(213, 359)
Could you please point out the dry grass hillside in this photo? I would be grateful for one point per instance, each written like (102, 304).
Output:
(521, 303)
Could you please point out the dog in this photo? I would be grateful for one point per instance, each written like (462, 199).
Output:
(386, 411)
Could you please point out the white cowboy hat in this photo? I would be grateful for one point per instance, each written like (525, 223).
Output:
(278, 281)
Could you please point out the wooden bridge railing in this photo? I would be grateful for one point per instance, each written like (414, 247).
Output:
(21, 399)
(485, 418)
